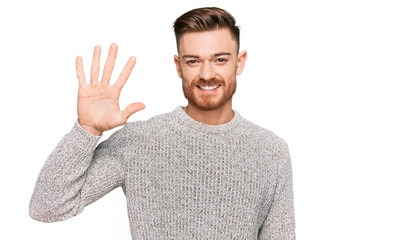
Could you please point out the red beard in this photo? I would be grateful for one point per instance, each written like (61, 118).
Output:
(209, 102)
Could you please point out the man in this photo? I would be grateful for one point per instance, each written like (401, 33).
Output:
(198, 172)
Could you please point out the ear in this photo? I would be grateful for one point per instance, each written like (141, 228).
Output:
(177, 62)
(241, 62)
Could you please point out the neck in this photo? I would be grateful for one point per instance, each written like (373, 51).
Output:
(217, 116)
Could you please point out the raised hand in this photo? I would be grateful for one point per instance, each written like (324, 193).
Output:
(98, 105)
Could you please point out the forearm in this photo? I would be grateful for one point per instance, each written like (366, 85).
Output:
(57, 194)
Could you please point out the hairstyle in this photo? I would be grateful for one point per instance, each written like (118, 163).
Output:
(205, 19)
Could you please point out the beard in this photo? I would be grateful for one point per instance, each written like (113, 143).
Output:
(208, 102)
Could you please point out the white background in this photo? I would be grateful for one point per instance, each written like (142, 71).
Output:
(335, 79)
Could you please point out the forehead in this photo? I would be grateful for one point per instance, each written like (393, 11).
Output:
(207, 43)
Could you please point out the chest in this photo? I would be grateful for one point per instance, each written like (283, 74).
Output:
(196, 186)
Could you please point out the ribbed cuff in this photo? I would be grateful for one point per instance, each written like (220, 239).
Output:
(83, 138)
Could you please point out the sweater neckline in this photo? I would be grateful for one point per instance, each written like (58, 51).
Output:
(207, 128)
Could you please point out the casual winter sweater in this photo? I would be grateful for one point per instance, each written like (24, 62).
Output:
(182, 179)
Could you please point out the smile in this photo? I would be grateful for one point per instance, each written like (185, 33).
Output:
(208, 88)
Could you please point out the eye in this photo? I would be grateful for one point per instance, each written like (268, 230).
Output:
(221, 60)
(191, 61)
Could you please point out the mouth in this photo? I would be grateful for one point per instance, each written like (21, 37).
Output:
(208, 88)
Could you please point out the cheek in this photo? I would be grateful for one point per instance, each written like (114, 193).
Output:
(228, 70)
(189, 73)
(227, 74)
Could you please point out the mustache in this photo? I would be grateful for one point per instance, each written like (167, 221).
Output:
(211, 82)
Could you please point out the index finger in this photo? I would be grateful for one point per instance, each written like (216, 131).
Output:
(125, 74)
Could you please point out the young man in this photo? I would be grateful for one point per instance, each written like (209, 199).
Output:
(198, 172)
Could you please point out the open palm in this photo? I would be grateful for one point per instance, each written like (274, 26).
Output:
(98, 105)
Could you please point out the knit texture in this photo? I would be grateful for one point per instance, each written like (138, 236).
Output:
(182, 179)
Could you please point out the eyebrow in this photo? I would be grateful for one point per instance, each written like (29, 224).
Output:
(213, 55)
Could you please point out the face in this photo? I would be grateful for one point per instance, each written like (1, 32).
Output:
(208, 65)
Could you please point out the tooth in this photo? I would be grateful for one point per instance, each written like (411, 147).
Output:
(209, 87)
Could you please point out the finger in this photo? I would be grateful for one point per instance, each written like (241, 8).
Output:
(95, 64)
(80, 71)
(125, 74)
(109, 64)
(131, 109)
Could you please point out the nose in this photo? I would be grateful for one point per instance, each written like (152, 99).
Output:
(207, 72)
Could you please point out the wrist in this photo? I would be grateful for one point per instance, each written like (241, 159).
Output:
(91, 130)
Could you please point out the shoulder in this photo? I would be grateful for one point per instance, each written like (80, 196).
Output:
(268, 141)
(271, 149)
(151, 126)
(136, 131)
(256, 131)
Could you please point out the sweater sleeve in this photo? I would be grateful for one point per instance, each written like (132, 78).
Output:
(280, 221)
(75, 175)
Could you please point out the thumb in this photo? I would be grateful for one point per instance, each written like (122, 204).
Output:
(131, 109)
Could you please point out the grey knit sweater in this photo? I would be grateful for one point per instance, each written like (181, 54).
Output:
(182, 179)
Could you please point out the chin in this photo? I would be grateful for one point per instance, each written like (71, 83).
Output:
(207, 107)
(208, 102)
